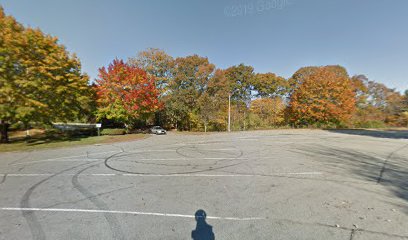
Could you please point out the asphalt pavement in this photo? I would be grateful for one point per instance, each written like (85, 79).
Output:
(281, 184)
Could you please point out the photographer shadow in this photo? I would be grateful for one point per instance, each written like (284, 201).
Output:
(203, 230)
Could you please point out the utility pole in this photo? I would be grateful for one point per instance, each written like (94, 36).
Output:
(229, 112)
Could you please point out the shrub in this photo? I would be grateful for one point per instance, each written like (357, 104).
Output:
(80, 132)
(113, 131)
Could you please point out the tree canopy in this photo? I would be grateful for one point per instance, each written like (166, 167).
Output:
(324, 97)
(125, 93)
(40, 81)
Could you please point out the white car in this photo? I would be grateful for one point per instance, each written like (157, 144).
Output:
(157, 130)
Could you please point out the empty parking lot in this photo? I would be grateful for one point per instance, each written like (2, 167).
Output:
(283, 184)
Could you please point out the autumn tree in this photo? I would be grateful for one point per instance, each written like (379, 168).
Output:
(303, 73)
(156, 63)
(125, 93)
(359, 83)
(323, 97)
(377, 105)
(159, 64)
(268, 111)
(240, 79)
(269, 85)
(213, 103)
(40, 81)
(405, 97)
(190, 77)
(404, 114)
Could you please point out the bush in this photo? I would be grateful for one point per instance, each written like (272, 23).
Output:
(113, 131)
(80, 132)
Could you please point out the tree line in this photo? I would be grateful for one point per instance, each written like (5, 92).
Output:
(42, 82)
(193, 94)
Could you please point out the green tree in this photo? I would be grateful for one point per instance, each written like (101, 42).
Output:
(240, 79)
(40, 81)
(191, 75)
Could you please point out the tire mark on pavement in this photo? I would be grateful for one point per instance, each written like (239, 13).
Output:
(113, 222)
(3, 179)
(33, 223)
(178, 151)
(379, 179)
(84, 199)
(173, 173)
(21, 158)
(177, 173)
(353, 231)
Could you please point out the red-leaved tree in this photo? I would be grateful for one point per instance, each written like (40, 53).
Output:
(125, 93)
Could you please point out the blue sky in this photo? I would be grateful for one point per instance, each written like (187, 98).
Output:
(366, 36)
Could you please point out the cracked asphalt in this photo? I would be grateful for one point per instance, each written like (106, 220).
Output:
(281, 184)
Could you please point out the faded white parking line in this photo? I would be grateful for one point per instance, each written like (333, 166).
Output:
(63, 158)
(72, 158)
(157, 175)
(64, 210)
(138, 159)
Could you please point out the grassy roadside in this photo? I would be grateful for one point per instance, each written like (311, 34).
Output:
(39, 141)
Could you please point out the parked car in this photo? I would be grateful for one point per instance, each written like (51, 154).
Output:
(157, 130)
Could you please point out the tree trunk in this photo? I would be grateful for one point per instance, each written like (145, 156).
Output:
(244, 121)
(4, 131)
(205, 127)
(27, 127)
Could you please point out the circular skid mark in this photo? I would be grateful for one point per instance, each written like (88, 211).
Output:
(172, 168)
(196, 156)
(197, 150)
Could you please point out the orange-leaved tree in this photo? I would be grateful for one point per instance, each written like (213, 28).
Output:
(323, 98)
(125, 93)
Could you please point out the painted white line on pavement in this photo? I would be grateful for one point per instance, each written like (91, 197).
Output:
(219, 149)
(157, 175)
(67, 157)
(186, 159)
(72, 158)
(158, 150)
(128, 212)
(64, 160)
(141, 159)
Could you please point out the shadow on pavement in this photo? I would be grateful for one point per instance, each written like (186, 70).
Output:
(396, 134)
(203, 230)
(391, 172)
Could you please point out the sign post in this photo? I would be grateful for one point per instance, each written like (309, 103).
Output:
(98, 126)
